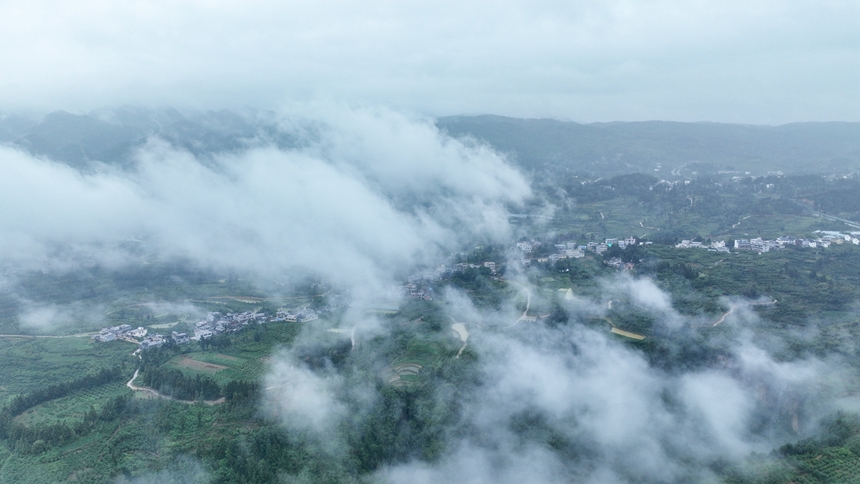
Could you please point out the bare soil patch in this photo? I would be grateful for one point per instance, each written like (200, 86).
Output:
(199, 365)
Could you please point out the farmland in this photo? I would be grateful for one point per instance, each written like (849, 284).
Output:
(223, 368)
(28, 363)
(74, 407)
(412, 366)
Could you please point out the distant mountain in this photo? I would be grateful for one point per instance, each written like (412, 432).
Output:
(613, 148)
(113, 136)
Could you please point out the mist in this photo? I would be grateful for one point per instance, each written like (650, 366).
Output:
(362, 198)
(326, 207)
(377, 192)
(555, 403)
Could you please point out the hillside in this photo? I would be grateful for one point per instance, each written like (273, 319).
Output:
(661, 146)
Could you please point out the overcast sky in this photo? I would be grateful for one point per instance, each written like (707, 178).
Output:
(750, 61)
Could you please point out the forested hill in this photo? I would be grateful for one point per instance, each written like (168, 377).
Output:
(114, 135)
(601, 149)
(619, 147)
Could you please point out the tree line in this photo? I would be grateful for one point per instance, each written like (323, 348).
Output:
(23, 402)
(35, 439)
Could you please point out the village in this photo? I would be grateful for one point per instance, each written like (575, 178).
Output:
(762, 245)
(574, 250)
(215, 323)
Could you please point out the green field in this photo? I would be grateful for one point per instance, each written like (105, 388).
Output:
(624, 217)
(223, 368)
(30, 363)
(72, 407)
(244, 359)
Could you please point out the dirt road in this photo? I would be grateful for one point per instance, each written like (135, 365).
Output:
(130, 384)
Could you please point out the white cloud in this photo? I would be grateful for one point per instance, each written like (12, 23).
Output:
(646, 293)
(377, 193)
(302, 398)
(50, 317)
(612, 415)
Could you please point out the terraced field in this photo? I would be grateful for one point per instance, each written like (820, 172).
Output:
(72, 407)
(411, 366)
(834, 464)
(28, 363)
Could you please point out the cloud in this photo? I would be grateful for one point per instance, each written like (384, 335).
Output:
(50, 317)
(563, 403)
(375, 193)
(475, 465)
(302, 398)
(722, 408)
(646, 293)
(183, 470)
(369, 194)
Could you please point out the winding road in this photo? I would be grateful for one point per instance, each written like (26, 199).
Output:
(130, 384)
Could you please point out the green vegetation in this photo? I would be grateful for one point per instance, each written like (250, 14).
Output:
(832, 457)
(607, 149)
(73, 407)
(29, 364)
(697, 208)
(804, 282)
(222, 368)
(69, 417)
(95, 297)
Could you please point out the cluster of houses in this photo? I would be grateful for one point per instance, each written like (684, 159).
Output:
(216, 323)
(123, 332)
(766, 245)
(617, 263)
(414, 290)
(718, 246)
(213, 324)
(157, 340)
(152, 341)
(137, 335)
(528, 246)
(300, 316)
(429, 275)
(573, 250)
